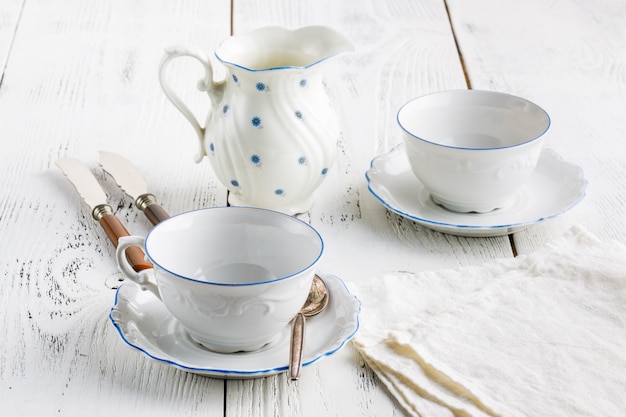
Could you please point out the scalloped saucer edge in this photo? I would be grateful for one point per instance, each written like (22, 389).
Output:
(555, 187)
(144, 324)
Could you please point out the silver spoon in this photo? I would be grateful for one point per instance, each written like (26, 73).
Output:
(315, 303)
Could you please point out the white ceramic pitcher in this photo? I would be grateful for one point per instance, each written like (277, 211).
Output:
(271, 134)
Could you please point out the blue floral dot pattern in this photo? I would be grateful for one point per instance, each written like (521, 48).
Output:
(298, 114)
(279, 192)
(303, 82)
(235, 79)
(212, 147)
(256, 121)
(225, 108)
(234, 183)
(302, 160)
(261, 86)
(324, 171)
(256, 159)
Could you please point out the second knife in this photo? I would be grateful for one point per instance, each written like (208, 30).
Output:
(91, 192)
(128, 177)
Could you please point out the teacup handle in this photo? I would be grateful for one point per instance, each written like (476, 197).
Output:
(204, 84)
(142, 278)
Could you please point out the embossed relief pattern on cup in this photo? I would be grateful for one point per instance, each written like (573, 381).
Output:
(520, 163)
(199, 306)
(222, 305)
(454, 176)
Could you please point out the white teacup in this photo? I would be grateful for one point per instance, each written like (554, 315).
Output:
(233, 276)
(471, 149)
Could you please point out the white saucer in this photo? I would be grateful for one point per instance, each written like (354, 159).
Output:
(145, 324)
(555, 187)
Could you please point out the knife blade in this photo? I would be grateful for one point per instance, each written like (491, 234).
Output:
(88, 188)
(128, 177)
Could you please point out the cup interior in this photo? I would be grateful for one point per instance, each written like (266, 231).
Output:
(473, 119)
(234, 245)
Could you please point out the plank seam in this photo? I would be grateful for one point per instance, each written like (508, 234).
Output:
(512, 243)
(458, 49)
(6, 61)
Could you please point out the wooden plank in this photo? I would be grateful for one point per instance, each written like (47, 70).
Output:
(569, 58)
(403, 49)
(92, 84)
(82, 76)
(10, 13)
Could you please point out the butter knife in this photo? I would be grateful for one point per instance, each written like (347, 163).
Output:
(87, 186)
(128, 177)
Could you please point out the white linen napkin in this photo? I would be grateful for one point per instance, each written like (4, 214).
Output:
(540, 335)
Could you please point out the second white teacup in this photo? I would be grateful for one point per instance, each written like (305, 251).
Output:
(233, 276)
(472, 149)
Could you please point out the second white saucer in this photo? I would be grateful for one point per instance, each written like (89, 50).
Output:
(555, 187)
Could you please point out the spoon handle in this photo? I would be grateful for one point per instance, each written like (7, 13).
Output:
(297, 344)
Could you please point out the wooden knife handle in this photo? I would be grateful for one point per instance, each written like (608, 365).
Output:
(115, 230)
(153, 211)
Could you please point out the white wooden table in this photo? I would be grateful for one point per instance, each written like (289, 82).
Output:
(79, 76)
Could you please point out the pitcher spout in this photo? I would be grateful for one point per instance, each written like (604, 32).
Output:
(275, 47)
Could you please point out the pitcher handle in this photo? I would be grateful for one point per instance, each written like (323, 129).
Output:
(204, 84)
(142, 278)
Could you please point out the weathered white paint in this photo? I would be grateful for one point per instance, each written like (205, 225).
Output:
(82, 76)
